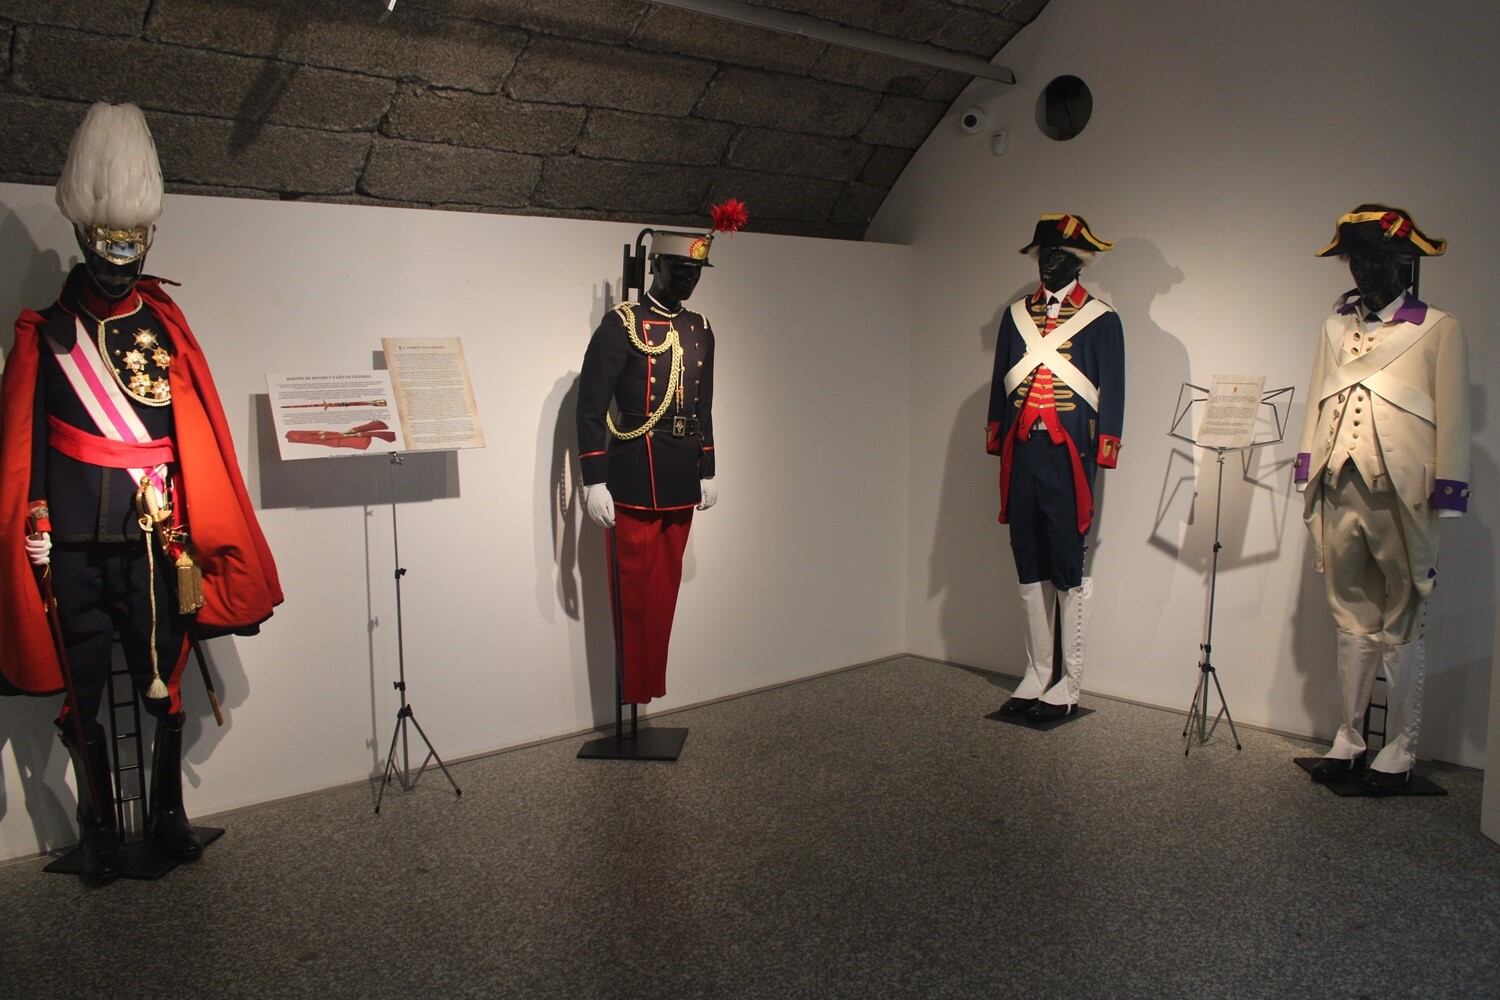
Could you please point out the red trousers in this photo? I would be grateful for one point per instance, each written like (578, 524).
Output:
(646, 547)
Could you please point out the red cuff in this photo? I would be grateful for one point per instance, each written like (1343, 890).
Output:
(1109, 451)
(38, 517)
(992, 437)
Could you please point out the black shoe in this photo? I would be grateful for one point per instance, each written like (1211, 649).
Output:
(98, 837)
(98, 852)
(1335, 768)
(168, 826)
(1016, 706)
(1384, 782)
(1044, 711)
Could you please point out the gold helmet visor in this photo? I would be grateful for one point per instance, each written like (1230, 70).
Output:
(118, 246)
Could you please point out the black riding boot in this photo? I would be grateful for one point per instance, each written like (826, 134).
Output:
(168, 826)
(98, 836)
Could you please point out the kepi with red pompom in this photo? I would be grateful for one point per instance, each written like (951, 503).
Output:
(729, 216)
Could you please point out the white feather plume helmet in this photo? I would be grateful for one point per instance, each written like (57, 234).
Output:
(112, 178)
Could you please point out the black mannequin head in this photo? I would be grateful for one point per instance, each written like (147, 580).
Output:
(673, 279)
(1380, 277)
(113, 281)
(1057, 266)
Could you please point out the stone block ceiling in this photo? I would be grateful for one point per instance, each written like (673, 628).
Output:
(599, 109)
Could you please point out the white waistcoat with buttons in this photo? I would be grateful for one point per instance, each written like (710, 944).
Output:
(1354, 425)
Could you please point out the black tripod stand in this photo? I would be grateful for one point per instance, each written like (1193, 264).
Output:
(404, 714)
(1279, 402)
(1198, 711)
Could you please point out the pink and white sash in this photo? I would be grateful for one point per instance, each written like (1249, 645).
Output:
(105, 401)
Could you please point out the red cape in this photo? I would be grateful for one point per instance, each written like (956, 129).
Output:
(240, 584)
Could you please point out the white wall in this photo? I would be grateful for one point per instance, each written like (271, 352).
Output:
(507, 628)
(1224, 142)
(1223, 146)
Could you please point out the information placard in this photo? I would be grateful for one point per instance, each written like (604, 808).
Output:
(434, 395)
(1231, 412)
(330, 415)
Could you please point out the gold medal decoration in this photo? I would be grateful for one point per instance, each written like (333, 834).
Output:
(136, 358)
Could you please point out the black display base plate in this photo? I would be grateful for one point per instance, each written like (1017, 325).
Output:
(139, 859)
(1021, 720)
(1348, 785)
(647, 744)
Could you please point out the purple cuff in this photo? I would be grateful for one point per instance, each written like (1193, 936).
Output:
(1300, 467)
(1450, 494)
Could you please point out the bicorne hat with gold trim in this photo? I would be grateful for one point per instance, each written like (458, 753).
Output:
(1375, 228)
(729, 216)
(1059, 229)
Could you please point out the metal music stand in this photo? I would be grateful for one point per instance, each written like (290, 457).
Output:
(1279, 401)
(405, 713)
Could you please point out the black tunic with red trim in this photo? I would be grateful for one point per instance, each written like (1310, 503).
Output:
(91, 503)
(661, 469)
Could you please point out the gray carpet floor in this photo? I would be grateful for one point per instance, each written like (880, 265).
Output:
(863, 834)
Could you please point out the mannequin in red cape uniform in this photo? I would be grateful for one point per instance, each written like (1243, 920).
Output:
(1057, 404)
(1384, 455)
(654, 359)
(120, 483)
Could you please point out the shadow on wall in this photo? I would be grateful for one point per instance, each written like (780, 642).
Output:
(1267, 472)
(1131, 278)
(571, 572)
(966, 530)
(1460, 639)
(29, 277)
(202, 734)
(26, 728)
(268, 89)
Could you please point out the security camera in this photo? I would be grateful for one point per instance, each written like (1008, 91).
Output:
(973, 120)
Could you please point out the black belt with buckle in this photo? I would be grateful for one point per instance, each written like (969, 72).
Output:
(679, 426)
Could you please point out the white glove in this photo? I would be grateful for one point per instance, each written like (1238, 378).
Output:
(601, 505)
(39, 549)
(710, 494)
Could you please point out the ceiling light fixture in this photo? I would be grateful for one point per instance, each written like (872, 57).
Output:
(849, 38)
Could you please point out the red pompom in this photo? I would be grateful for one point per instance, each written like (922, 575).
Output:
(729, 215)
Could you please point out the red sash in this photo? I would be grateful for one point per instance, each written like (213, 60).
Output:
(79, 444)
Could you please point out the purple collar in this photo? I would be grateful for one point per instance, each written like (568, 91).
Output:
(1411, 310)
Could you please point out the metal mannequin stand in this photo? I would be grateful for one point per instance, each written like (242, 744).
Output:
(655, 743)
(140, 859)
(405, 713)
(1198, 725)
